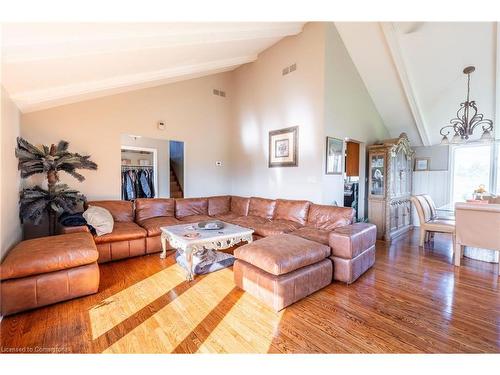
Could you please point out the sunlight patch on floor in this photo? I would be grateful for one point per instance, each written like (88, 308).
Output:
(120, 306)
(166, 329)
(249, 327)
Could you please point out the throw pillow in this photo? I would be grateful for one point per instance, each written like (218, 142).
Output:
(100, 219)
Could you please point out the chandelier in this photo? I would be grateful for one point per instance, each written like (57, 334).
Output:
(467, 120)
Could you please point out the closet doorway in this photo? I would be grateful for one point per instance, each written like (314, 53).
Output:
(151, 168)
(139, 172)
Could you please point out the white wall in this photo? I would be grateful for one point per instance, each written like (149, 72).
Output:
(324, 96)
(349, 113)
(438, 155)
(10, 226)
(265, 100)
(436, 181)
(190, 110)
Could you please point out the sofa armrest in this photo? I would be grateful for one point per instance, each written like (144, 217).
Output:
(351, 240)
(78, 229)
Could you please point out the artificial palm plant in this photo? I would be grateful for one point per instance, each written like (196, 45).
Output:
(56, 198)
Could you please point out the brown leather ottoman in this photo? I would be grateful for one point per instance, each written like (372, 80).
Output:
(353, 250)
(282, 269)
(47, 270)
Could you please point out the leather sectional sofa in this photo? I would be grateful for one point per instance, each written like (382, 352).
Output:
(137, 226)
(298, 248)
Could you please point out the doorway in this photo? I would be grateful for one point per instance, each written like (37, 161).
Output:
(146, 166)
(176, 169)
(354, 191)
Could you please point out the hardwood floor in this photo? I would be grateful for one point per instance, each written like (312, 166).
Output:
(413, 300)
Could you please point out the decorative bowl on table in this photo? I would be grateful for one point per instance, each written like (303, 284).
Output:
(211, 225)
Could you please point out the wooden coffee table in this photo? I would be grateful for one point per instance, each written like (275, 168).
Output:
(217, 239)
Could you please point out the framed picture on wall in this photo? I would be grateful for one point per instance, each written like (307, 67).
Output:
(334, 155)
(283, 147)
(422, 164)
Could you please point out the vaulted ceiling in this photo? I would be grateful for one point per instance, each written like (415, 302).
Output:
(51, 64)
(413, 71)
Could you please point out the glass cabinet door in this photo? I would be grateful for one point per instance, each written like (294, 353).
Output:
(377, 174)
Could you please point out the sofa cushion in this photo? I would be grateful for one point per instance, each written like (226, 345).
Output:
(261, 207)
(239, 205)
(282, 253)
(276, 227)
(292, 210)
(146, 208)
(313, 234)
(329, 217)
(122, 232)
(219, 205)
(195, 218)
(122, 211)
(154, 224)
(48, 254)
(191, 206)
(249, 221)
(351, 240)
(229, 217)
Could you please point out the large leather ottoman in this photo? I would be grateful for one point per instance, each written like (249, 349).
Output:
(47, 270)
(353, 250)
(282, 269)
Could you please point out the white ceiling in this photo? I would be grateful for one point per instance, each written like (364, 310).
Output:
(45, 65)
(413, 71)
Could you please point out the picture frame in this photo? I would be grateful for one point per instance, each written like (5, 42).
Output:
(334, 156)
(422, 164)
(283, 147)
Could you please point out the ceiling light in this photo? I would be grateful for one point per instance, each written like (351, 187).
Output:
(468, 119)
(486, 136)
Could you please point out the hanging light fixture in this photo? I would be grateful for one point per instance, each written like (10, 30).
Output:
(467, 120)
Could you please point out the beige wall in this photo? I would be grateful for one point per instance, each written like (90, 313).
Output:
(10, 227)
(325, 96)
(190, 110)
(265, 100)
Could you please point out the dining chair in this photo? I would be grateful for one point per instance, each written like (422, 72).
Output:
(434, 210)
(428, 224)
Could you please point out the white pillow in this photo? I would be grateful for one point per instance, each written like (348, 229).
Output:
(100, 219)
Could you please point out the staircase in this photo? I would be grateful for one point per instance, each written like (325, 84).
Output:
(175, 188)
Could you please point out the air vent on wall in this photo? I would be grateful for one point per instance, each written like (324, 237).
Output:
(219, 93)
(289, 69)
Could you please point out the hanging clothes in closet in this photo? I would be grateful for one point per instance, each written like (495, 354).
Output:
(137, 182)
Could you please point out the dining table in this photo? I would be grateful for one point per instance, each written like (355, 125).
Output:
(477, 253)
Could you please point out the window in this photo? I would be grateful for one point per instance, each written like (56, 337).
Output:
(471, 167)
